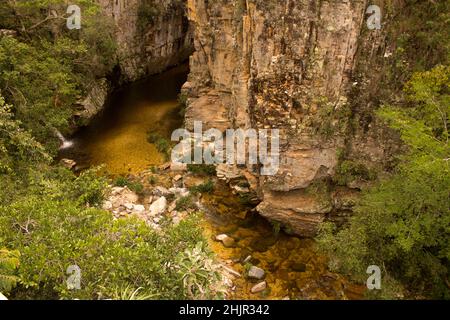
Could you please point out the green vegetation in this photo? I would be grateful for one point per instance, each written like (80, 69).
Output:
(153, 180)
(52, 235)
(148, 11)
(206, 187)
(348, 171)
(197, 271)
(44, 54)
(182, 100)
(403, 223)
(9, 262)
(186, 203)
(50, 218)
(162, 144)
(133, 186)
(202, 169)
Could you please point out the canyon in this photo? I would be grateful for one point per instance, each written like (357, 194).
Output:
(293, 66)
(303, 67)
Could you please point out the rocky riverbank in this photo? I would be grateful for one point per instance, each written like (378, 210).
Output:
(256, 260)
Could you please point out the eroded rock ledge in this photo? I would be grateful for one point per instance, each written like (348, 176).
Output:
(289, 65)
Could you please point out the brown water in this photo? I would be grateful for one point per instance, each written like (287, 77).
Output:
(118, 139)
(294, 267)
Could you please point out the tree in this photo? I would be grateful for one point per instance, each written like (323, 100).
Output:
(403, 224)
(9, 261)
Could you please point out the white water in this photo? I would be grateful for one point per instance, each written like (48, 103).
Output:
(64, 142)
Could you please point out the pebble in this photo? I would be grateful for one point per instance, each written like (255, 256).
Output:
(247, 259)
(259, 287)
(226, 240)
(256, 273)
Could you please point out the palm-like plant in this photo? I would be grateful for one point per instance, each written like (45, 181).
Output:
(9, 261)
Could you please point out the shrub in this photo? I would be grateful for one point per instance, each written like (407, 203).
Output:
(9, 262)
(52, 236)
(206, 187)
(199, 273)
(185, 203)
(402, 223)
(133, 186)
(202, 169)
(348, 171)
(153, 180)
(162, 144)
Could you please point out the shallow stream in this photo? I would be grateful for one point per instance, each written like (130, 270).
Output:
(118, 139)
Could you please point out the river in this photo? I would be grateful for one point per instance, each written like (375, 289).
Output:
(117, 138)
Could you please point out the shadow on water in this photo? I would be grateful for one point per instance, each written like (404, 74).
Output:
(117, 137)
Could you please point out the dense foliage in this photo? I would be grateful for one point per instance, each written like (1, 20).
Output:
(45, 68)
(403, 224)
(50, 218)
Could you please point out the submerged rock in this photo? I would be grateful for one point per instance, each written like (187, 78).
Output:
(298, 267)
(227, 241)
(259, 287)
(256, 273)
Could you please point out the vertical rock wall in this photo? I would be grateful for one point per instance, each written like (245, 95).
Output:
(152, 35)
(288, 65)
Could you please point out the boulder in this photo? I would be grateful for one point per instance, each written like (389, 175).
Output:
(239, 189)
(158, 207)
(179, 192)
(139, 208)
(178, 166)
(107, 205)
(116, 190)
(172, 206)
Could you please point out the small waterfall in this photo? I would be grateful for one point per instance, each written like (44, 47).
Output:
(64, 142)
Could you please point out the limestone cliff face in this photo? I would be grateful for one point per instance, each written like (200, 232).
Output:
(288, 65)
(151, 35)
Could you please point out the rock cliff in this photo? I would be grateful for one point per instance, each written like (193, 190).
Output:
(300, 66)
(151, 35)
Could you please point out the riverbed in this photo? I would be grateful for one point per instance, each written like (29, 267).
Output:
(118, 139)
